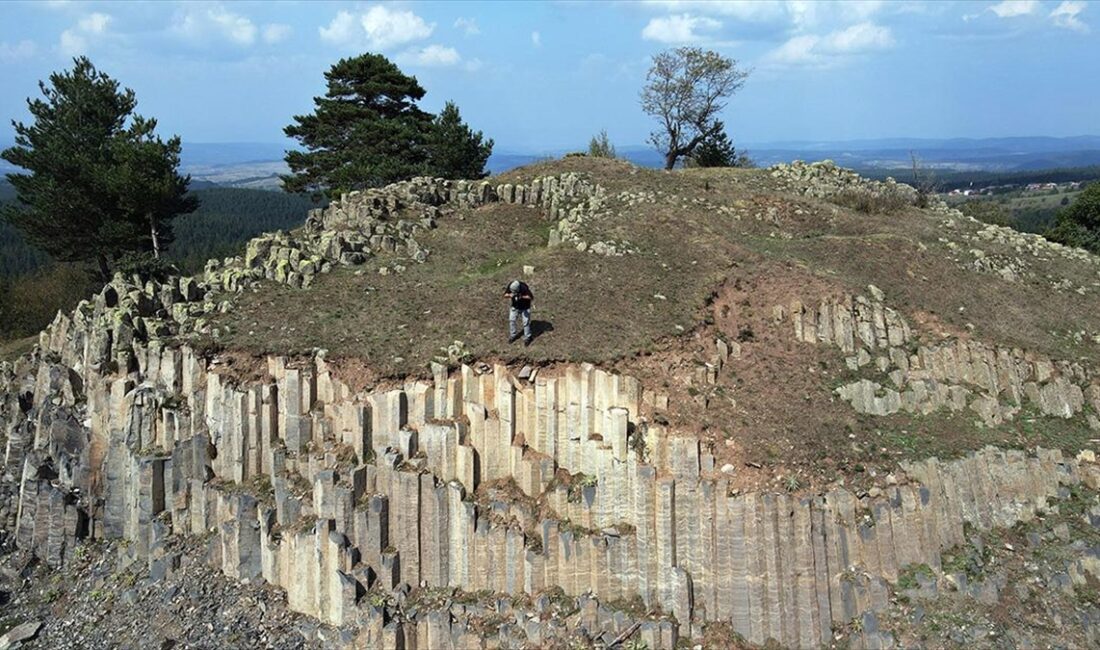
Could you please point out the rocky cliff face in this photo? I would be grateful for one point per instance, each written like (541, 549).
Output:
(391, 512)
(332, 494)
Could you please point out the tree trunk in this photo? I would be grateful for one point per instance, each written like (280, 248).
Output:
(104, 268)
(155, 236)
(670, 159)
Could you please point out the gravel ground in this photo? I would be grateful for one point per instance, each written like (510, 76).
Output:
(100, 602)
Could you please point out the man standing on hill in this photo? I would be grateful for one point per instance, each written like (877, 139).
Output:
(521, 297)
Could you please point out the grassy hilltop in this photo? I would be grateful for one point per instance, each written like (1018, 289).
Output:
(717, 251)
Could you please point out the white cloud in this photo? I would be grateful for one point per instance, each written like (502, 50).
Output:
(536, 39)
(433, 56)
(72, 43)
(341, 31)
(679, 28)
(75, 40)
(468, 26)
(833, 48)
(799, 15)
(1013, 8)
(859, 38)
(747, 11)
(10, 53)
(94, 23)
(275, 33)
(799, 50)
(385, 28)
(235, 27)
(379, 28)
(1065, 15)
(862, 9)
(437, 56)
(803, 13)
(201, 24)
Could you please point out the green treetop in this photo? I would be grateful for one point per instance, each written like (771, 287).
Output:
(367, 131)
(97, 188)
(1078, 224)
(454, 149)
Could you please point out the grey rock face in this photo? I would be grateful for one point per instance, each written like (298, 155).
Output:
(995, 382)
(327, 493)
(18, 634)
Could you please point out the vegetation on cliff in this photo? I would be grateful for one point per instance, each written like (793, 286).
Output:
(368, 131)
(1079, 223)
(101, 184)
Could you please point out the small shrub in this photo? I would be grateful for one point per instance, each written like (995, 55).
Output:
(576, 487)
(989, 212)
(146, 266)
(907, 577)
(600, 146)
(868, 201)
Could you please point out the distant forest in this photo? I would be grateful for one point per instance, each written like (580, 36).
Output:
(227, 218)
(945, 181)
(33, 288)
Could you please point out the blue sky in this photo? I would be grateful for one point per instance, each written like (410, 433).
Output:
(541, 76)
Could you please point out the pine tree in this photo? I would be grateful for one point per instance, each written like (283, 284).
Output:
(716, 150)
(1078, 224)
(455, 150)
(367, 131)
(97, 189)
(149, 189)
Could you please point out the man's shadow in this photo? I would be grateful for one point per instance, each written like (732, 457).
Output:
(540, 327)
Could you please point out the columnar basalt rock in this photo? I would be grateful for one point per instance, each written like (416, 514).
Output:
(485, 480)
(825, 179)
(331, 494)
(389, 218)
(348, 232)
(995, 382)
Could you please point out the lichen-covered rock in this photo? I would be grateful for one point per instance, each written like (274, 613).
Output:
(825, 179)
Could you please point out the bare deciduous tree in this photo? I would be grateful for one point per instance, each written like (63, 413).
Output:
(924, 180)
(685, 91)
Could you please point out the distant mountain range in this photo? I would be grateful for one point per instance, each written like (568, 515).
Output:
(957, 154)
(258, 164)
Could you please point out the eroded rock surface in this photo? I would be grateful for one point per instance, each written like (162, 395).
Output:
(492, 505)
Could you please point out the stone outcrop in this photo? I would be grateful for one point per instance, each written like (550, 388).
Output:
(380, 510)
(1014, 256)
(825, 179)
(334, 495)
(348, 232)
(996, 382)
(390, 217)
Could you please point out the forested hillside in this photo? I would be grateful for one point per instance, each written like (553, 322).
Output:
(945, 180)
(226, 218)
(33, 288)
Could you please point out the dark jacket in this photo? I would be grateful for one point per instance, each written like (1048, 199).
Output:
(520, 299)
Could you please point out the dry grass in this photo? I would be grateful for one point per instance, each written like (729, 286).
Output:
(700, 272)
(864, 200)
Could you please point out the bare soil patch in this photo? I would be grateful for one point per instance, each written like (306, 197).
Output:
(717, 250)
